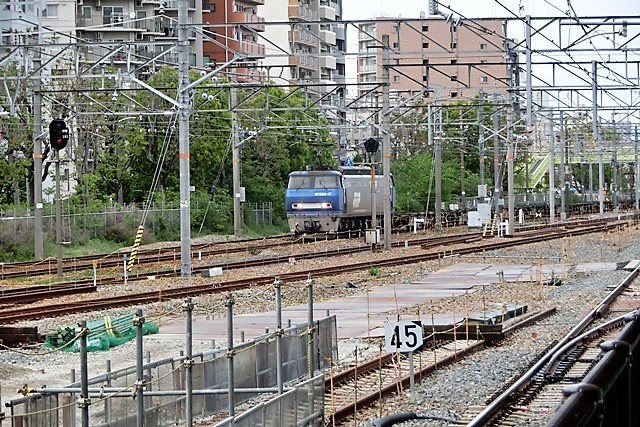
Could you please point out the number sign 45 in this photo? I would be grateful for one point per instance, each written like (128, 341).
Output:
(403, 337)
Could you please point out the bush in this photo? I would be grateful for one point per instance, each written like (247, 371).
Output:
(16, 243)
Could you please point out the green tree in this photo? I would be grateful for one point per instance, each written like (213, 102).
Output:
(281, 134)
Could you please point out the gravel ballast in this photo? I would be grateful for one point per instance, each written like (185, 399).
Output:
(446, 395)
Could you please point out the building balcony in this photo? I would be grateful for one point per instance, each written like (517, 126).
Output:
(302, 37)
(249, 18)
(327, 62)
(328, 37)
(303, 61)
(327, 13)
(173, 4)
(302, 13)
(325, 86)
(369, 35)
(366, 69)
(91, 53)
(107, 23)
(248, 48)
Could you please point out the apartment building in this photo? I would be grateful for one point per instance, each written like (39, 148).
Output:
(446, 60)
(314, 42)
(308, 44)
(232, 30)
(130, 33)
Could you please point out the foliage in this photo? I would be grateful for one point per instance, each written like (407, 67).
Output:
(16, 243)
(16, 136)
(281, 135)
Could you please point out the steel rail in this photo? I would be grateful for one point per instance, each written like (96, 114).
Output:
(216, 287)
(349, 409)
(497, 404)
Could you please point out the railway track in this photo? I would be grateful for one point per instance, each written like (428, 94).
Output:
(212, 286)
(361, 386)
(539, 390)
(148, 259)
(144, 256)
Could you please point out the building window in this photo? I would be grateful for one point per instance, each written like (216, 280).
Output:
(425, 28)
(483, 61)
(396, 79)
(484, 79)
(454, 61)
(394, 28)
(454, 45)
(425, 45)
(454, 94)
(425, 62)
(395, 45)
(454, 78)
(483, 46)
(51, 11)
(113, 16)
(86, 12)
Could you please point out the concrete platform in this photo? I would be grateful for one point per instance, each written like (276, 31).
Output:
(364, 315)
(632, 265)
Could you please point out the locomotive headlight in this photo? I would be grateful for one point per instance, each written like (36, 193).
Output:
(326, 205)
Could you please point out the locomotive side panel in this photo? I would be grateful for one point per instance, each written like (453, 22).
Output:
(358, 191)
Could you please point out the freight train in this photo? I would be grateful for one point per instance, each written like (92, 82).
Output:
(333, 201)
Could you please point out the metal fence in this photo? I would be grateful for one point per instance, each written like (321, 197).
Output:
(112, 395)
(123, 218)
(260, 213)
(302, 405)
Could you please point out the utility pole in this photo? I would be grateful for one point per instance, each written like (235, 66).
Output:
(184, 100)
(235, 141)
(614, 163)
(496, 160)
(510, 179)
(563, 178)
(552, 175)
(529, 89)
(386, 143)
(480, 117)
(596, 137)
(58, 218)
(37, 145)
(636, 168)
(463, 200)
(438, 178)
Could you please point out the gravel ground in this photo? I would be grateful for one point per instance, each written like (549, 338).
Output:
(445, 395)
(444, 398)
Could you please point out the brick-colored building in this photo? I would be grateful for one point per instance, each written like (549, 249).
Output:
(448, 60)
(233, 32)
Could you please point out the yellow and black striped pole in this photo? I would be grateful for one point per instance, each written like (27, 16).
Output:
(136, 245)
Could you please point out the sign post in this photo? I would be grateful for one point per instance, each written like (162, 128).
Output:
(404, 337)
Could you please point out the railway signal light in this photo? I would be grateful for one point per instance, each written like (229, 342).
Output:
(58, 134)
(371, 145)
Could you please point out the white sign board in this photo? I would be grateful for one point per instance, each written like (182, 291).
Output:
(403, 337)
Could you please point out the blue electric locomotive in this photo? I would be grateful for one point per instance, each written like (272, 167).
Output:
(332, 201)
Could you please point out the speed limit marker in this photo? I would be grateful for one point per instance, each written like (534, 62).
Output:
(403, 337)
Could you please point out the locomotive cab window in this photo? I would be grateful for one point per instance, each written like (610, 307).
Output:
(330, 181)
(297, 182)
